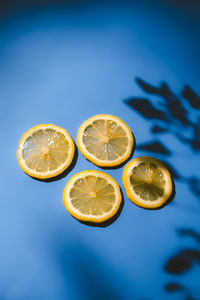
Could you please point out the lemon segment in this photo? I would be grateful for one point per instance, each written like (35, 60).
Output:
(45, 151)
(92, 196)
(147, 182)
(105, 140)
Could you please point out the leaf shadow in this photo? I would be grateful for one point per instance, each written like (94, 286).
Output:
(179, 116)
(194, 184)
(173, 172)
(169, 114)
(154, 146)
(144, 107)
(172, 196)
(172, 104)
(189, 94)
(182, 261)
(184, 232)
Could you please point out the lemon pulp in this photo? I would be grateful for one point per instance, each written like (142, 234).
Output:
(147, 181)
(105, 140)
(45, 150)
(92, 196)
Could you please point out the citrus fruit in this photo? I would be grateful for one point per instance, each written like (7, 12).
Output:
(147, 182)
(105, 140)
(45, 151)
(92, 196)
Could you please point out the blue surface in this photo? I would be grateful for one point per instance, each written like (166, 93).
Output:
(62, 65)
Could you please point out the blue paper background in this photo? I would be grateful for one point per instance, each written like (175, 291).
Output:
(63, 64)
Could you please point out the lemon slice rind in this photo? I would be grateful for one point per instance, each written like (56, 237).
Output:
(89, 217)
(47, 174)
(136, 199)
(91, 157)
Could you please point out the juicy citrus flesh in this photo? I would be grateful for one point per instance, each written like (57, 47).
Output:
(45, 151)
(92, 196)
(105, 140)
(147, 182)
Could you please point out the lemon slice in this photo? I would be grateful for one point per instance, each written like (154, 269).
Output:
(92, 196)
(105, 140)
(147, 182)
(45, 151)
